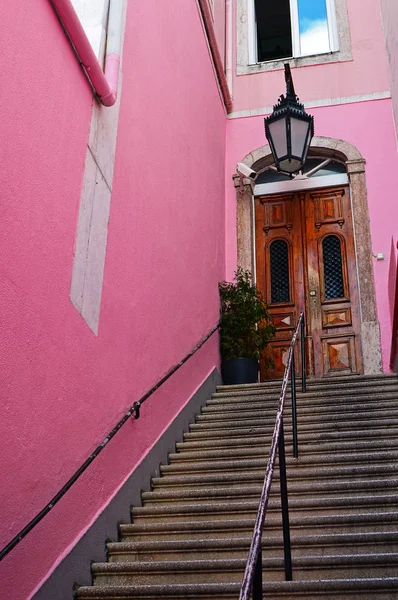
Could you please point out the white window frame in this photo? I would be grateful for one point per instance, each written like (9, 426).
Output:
(295, 30)
(252, 32)
(96, 195)
(332, 26)
(93, 15)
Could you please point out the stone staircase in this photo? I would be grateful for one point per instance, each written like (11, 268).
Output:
(190, 538)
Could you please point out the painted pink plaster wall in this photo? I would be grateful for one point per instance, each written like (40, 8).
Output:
(368, 126)
(367, 73)
(63, 389)
(390, 20)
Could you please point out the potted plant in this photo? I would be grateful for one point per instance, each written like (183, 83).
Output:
(245, 328)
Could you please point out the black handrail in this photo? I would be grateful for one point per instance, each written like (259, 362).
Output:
(134, 411)
(252, 579)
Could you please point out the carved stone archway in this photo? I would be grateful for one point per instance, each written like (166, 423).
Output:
(355, 164)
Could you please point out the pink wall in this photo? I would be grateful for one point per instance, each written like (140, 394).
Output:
(369, 127)
(62, 388)
(62, 528)
(366, 74)
(390, 20)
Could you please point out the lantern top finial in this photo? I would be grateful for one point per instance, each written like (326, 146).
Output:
(291, 99)
(290, 93)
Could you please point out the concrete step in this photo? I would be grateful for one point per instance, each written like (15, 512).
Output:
(313, 388)
(385, 421)
(260, 442)
(349, 589)
(237, 510)
(224, 534)
(333, 434)
(304, 413)
(253, 402)
(359, 380)
(316, 414)
(260, 448)
(375, 523)
(296, 489)
(343, 395)
(293, 474)
(229, 570)
(256, 464)
(313, 385)
(215, 539)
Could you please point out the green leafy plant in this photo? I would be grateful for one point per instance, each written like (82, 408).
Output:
(245, 325)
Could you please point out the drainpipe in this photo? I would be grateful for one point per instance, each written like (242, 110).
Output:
(214, 51)
(105, 84)
(228, 43)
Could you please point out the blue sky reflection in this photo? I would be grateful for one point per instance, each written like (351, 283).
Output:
(314, 35)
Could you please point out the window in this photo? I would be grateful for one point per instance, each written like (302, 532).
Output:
(93, 15)
(313, 167)
(332, 267)
(96, 191)
(291, 28)
(279, 269)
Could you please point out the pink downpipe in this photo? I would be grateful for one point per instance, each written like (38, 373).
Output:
(228, 44)
(104, 84)
(211, 36)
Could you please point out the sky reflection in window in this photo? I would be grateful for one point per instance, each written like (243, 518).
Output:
(313, 25)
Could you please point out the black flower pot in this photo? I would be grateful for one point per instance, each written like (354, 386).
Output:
(239, 370)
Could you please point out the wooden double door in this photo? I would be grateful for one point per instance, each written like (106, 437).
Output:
(305, 261)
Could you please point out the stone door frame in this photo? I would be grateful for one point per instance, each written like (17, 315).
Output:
(355, 164)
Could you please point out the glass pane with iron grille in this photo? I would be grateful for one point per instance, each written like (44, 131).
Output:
(279, 266)
(333, 267)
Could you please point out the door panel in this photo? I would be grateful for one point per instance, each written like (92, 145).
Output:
(279, 274)
(306, 262)
(339, 355)
(332, 307)
(336, 317)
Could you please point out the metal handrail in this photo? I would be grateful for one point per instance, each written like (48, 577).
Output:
(252, 579)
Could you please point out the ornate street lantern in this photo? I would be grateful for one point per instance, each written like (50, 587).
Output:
(289, 130)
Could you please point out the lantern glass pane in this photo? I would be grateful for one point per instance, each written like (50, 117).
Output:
(278, 134)
(307, 145)
(299, 130)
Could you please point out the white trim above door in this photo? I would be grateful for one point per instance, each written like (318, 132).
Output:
(297, 184)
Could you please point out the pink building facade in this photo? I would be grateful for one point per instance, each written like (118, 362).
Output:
(390, 16)
(349, 93)
(118, 224)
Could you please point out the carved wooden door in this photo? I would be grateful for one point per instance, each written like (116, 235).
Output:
(280, 275)
(305, 259)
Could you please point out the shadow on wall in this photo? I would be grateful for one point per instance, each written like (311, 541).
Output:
(393, 301)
